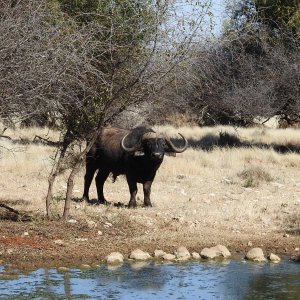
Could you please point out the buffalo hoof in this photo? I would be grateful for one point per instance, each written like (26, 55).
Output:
(132, 205)
(85, 199)
(104, 202)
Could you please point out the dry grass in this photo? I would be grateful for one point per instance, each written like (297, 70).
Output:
(253, 176)
(232, 189)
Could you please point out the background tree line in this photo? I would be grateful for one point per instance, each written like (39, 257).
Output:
(252, 69)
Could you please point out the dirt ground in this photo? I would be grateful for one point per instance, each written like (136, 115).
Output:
(240, 197)
(41, 243)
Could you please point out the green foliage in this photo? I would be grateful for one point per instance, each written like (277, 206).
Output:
(120, 36)
(280, 14)
(279, 17)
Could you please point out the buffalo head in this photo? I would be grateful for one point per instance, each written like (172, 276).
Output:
(153, 146)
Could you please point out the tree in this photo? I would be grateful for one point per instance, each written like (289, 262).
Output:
(251, 70)
(84, 63)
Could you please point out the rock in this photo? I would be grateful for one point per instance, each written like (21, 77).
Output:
(59, 242)
(100, 232)
(182, 253)
(223, 250)
(274, 258)
(10, 251)
(138, 254)
(196, 255)
(250, 244)
(255, 254)
(81, 239)
(72, 221)
(85, 267)
(91, 224)
(295, 258)
(25, 233)
(169, 256)
(159, 253)
(107, 225)
(114, 258)
(63, 269)
(286, 235)
(214, 252)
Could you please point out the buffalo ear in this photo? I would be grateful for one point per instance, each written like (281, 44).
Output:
(139, 153)
(171, 154)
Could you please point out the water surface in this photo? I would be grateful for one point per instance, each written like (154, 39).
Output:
(233, 279)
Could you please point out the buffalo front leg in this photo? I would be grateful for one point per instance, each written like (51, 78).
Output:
(147, 192)
(88, 177)
(133, 191)
(100, 179)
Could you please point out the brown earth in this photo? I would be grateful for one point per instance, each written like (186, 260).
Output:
(41, 243)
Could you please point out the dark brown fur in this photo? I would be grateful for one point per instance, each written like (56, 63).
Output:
(139, 166)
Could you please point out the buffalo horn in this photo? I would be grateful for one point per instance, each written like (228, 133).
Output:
(127, 149)
(174, 148)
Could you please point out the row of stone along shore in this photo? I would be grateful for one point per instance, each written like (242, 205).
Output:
(182, 254)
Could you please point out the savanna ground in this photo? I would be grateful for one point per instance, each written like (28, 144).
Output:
(236, 196)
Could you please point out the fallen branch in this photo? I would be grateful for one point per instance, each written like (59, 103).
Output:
(20, 216)
(39, 139)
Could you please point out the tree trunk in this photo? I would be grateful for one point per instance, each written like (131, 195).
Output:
(74, 172)
(54, 172)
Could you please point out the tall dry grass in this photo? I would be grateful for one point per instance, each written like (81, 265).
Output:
(198, 188)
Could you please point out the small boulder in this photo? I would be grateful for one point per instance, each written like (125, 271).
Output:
(295, 258)
(63, 269)
(169, 256)
(114, 258)
(159, 253)
(214, 252)
(274, 258)
(196, 255)
(182, 253)
(72, 221)
(59, 242)
(138, 254)
(84, 267)
(255, 254)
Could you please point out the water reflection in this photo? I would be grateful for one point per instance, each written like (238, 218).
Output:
(210, 280)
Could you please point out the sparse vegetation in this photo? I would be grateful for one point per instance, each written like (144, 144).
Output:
(199, 198)
(254, 175)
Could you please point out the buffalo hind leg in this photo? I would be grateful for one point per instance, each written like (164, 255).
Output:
(100, 179)
(133, 191)
(88, 178)
(147, 191)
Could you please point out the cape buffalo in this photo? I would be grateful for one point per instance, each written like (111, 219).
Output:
(136, 153)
